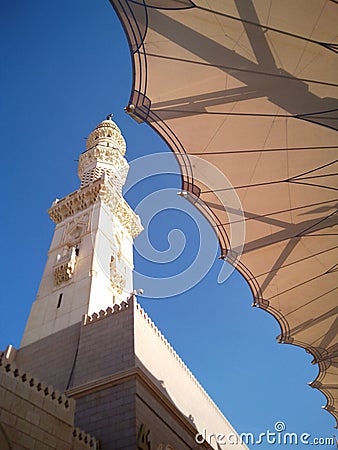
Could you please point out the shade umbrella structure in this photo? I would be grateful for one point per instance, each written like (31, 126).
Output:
(251, 87)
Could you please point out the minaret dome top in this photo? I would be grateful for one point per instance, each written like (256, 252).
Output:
(107, 133)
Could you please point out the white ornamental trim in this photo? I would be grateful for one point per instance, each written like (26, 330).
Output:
(104, 190)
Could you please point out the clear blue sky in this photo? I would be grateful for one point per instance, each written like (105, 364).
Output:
(64, 66)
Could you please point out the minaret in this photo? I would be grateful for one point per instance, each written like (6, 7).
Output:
(90, 260)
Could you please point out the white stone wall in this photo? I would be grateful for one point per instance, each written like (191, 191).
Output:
(46, 317)
(101, 275)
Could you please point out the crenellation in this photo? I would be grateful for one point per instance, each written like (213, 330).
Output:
(116, 308)
(34, 384)
(35, 415)
(124, 305)
(109, 311)
(176, 356)
(86, 438)
(93, 317)
(103, 314)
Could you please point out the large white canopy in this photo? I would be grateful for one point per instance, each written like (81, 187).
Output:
(251, 86)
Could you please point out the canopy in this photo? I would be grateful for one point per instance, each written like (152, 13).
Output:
(250, 86)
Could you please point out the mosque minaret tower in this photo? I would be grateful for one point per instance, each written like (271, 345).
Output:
(90, 260)
(93, 370)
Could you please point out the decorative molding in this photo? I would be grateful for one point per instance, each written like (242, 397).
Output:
(75, 202)
(104, 190)
(107, 130)
(102, 383)
(65, 266)
(76, 228)
(107, 155)
(120, 209)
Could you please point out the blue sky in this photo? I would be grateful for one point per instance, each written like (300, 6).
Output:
(64, 67)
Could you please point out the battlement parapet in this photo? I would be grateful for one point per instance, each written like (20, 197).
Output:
(84, 440)
(40, 387)
(103, 314)
(32, 405)
(179, 360)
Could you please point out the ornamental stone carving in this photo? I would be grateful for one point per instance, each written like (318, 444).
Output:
(99, 160)
(103, 190)
(76, 228)
(65, 266)
(107, 131)
(118, 281)
(74, 203)
(102, 154)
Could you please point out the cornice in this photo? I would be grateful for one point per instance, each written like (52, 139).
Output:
(100, 190)
(75, 202)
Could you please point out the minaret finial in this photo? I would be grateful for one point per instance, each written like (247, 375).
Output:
(109, 117)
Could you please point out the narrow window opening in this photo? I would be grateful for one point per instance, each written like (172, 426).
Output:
(59, 301)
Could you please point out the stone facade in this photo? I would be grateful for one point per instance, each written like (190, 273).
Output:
(129, 384)
(34, 416)
(115, 374)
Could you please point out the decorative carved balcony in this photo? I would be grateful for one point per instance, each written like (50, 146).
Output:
(65, 266)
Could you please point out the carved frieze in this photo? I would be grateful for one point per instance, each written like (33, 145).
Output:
(104, 155)
(75, 202)
(101, 190)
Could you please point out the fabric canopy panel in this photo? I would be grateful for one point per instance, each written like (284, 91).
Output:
(250, 86)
